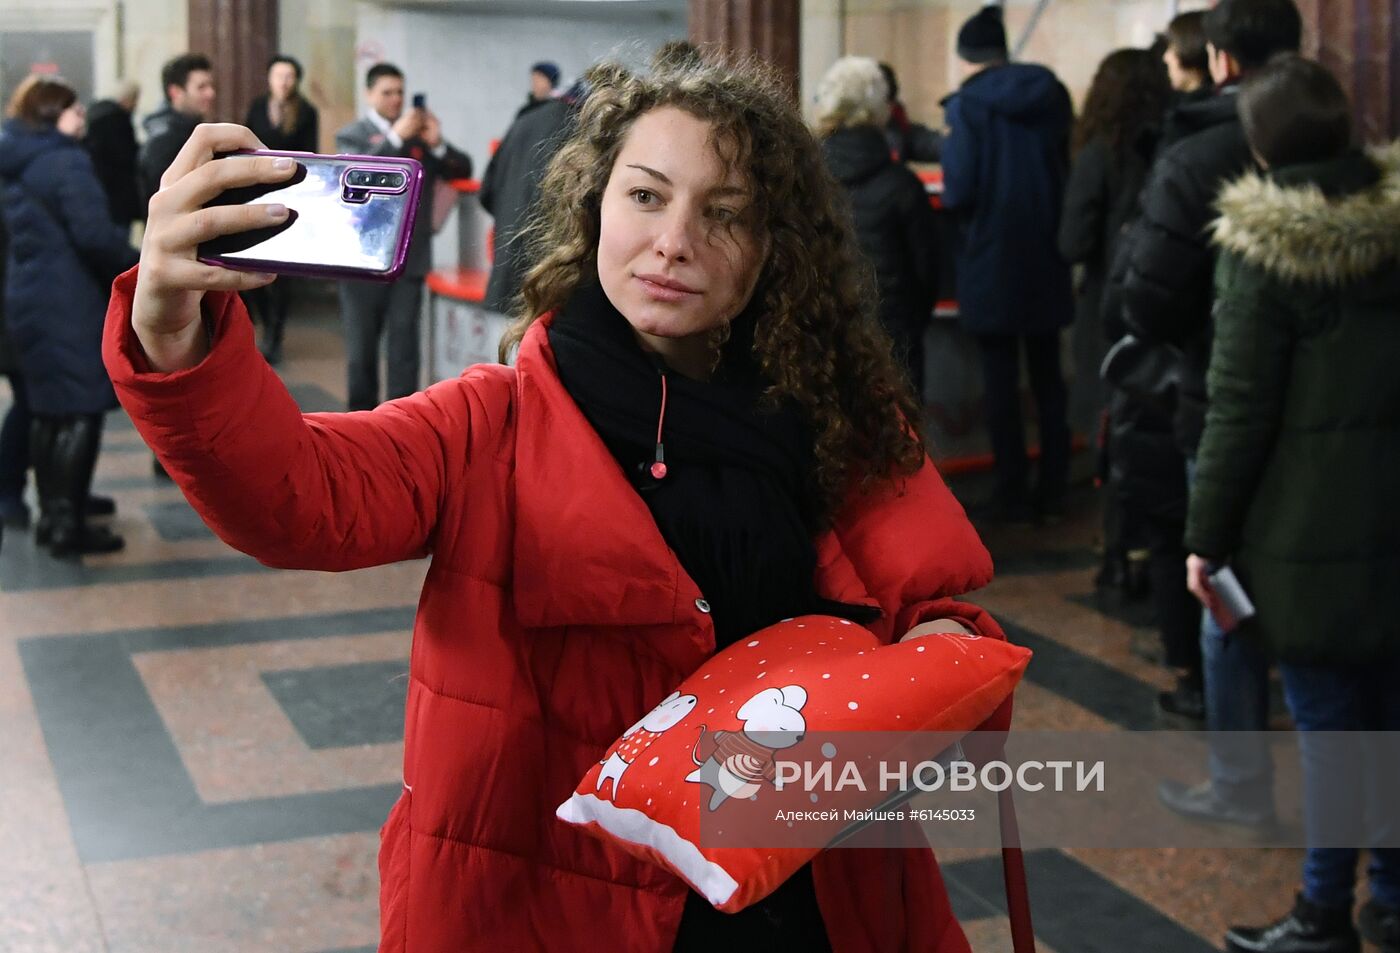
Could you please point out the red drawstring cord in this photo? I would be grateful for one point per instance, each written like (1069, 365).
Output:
(1013, 867)
(658, 467)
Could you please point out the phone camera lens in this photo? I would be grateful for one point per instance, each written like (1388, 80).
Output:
(381, 180)
(396, 179)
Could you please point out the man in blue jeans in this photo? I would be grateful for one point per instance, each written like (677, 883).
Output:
(1240, 789)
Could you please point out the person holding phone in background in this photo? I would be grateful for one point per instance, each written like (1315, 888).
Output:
(393, 310)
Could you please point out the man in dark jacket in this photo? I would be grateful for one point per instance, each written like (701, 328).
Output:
(1167, 296)
(510, 187)
(111, 141)
(188, 83)
(1005, 162)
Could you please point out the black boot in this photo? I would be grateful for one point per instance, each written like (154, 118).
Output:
(100, 505)
(1308, 928)
(42, 432)
(75, 457)
(1380, 925)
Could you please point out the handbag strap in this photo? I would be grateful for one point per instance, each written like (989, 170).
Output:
(1013, 868)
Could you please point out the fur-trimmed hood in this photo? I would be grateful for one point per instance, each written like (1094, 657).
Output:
(1299, 233)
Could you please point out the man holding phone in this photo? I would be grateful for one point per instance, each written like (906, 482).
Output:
(368, 310)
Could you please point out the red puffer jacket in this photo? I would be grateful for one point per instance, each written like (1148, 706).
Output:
(553, 617)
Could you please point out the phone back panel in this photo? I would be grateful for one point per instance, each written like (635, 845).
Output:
(326, 234)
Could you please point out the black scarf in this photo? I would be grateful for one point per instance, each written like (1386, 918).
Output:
(738, 503)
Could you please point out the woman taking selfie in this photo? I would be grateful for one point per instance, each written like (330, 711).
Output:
(704, 433)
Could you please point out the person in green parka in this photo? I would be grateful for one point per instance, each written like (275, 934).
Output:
(1299, 466)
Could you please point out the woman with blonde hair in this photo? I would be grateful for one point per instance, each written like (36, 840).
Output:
(894, 222)
(703, 433)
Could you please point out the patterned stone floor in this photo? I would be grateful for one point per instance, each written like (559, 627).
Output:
(198, 752)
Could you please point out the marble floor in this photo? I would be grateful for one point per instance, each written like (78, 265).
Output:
(198, 751)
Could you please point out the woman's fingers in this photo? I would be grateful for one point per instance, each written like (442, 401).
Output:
(196, 276)
(188, 231)
(208, 140)
(213, 178)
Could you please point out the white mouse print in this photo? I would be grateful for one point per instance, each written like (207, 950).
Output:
(735, 763)
(671, 712)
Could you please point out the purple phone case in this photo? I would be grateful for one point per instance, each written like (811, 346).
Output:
(327, 227)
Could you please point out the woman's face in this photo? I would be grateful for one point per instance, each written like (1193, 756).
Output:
(72, 121)
(676, 254)
(281, 80)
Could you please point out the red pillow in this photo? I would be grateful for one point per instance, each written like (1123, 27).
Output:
(720, 735)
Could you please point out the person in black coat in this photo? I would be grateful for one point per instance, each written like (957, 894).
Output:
(282, 117)
(64, 252)
(188, 84)
(1167, 286)
(1113, 144)
(909, 141)
(511, 186)
(1005, 162)
(1167, 298)
(111, 141)
(894, 221)
(14, 432)
(284, 120)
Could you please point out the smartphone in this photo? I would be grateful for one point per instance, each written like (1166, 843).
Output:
(1233, 605)
(420, 100)
(348, 217)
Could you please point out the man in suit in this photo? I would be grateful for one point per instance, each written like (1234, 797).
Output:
(369, 310)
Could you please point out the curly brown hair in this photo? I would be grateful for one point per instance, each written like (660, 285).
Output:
(817, 339)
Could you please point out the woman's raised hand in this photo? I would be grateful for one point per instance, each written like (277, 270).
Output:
(172, 281)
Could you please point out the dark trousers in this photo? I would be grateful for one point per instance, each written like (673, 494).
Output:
(1178, 613)
(1001, 372)
(269, 305)
(1347, 775)
(368, 311)
(14, 442)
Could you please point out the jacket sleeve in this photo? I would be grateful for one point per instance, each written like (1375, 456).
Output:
(312, 129)
(490, 181)
(921, 241)
(103, 244)
(1086, 205)
(453, 164)
(960, 160)
(315, 491)
(923, 144)
(154, 159)
(1166, 283)
(1247, 381)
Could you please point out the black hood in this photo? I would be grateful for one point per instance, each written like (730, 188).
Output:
(21, 144)
(854, 155)
(1193, 115)
(1023, 92)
